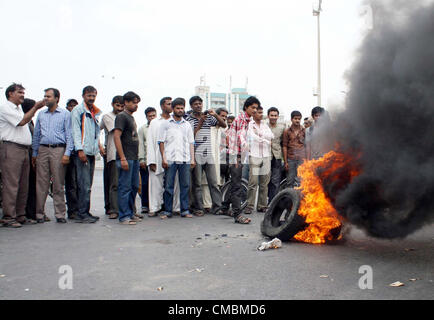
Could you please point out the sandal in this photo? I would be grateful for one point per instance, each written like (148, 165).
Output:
(152, 214)
(136, 219)
(128, 223)
(198, 213)
(242, 219)
(12, 224)
(113, 216)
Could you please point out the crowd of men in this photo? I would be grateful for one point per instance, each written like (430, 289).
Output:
(178, 160)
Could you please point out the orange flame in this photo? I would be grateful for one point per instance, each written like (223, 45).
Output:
(320, 215)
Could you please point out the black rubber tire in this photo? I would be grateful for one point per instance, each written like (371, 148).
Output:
(244, 185)
(282, 185)
(285, 202)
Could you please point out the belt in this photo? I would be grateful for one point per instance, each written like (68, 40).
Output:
(60, 145)
(18, 144)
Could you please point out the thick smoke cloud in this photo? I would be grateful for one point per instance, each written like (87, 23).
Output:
(389, 118)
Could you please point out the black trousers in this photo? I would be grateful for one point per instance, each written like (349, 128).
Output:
(275, 178)
(31, 197)
(234, 190)
(71, 189)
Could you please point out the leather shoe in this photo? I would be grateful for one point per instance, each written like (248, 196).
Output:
(40, 220)
(85, 220)
(61, 220)
(93, 217)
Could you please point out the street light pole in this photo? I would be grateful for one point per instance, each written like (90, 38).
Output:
(317, 14)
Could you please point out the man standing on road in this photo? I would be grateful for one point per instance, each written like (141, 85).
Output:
(294, 151)
(259, 138)
(71, 189)
(52, 146)
(176, 144)
(156, 170)
(127, 159)
(204, 158)
(14, 156)
(276, 152)
(150, 114)
(238, 151)
(85, 131)
(314, 140)
(110, 169)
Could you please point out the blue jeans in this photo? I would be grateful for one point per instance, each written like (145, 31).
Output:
(84, 184)
(183, 170)
(128, 185)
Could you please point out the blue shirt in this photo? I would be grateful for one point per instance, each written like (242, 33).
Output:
(53, 128)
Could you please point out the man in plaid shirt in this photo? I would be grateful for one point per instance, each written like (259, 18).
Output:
(238, 155)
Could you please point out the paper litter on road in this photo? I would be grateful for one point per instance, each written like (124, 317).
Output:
(396, 284)
(273, 244)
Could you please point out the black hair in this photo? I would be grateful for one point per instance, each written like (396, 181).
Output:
(194, 99)
(178, 102)
(130, 96)
(260, 108)
(317, 110)
(118, 99)
(273, 109)
(27, 105)
(220, 110)
(306, 119)
(12, 88)
(71, 101)
(150, 109)
(250, 101)
(89, 89)
(55, 92)
(231, 118)
(162, 101)
(295, 114)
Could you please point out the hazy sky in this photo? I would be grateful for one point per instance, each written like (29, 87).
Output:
(161, 48)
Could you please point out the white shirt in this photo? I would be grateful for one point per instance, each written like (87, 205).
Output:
(153, 155)
(259, 139)
(10, 116)
(177, 137)
(108, 124)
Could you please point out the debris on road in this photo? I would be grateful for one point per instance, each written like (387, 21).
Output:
(396, 284)
(2, 276)
(26, 289)
(409, 249)
(160, 288)
(224, 235)
(414, 279)
(197, 270)
(273, 244)
(324, 276)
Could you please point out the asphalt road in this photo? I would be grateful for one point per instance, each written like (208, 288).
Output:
(204, 258)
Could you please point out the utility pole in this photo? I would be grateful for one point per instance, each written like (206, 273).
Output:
(317, 14)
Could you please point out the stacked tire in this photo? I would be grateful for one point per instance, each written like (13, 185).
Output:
(281, 219)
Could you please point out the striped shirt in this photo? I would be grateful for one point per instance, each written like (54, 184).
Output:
(202, 145)
(53, 128)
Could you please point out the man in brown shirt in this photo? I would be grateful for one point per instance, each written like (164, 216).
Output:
(294, 151)
(276, 152)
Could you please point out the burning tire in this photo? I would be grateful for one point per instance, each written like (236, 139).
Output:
(281, 219)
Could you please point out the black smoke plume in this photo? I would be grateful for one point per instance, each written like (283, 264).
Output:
(389, 122)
